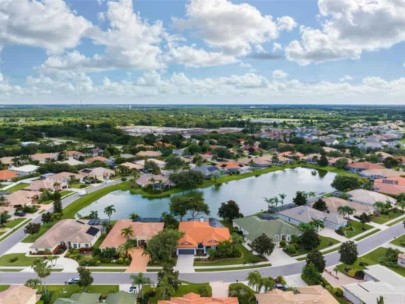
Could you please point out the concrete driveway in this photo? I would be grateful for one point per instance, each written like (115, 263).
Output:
(139, 260)
(279, 257)
(185, 263)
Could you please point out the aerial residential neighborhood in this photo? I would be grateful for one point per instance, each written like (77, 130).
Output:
(202, 152)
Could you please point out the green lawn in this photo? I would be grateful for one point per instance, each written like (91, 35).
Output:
(184, 288)
(78, 185)
(31, 238)
(65, 193)
(65, 291)
(106, 270)
(357, 229)
(246, 258)
(371, 258)
(22, 260)
(383, 218)
(17, 187)
(325, 243)
(13, 223)
(4, 287)
(400, 241)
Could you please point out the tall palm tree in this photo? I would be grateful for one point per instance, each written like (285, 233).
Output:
(282, 197)
(127, 232)
(109, 210)
(166, 287)
(42, 269)
(272, 202)
(346, 210)
(255, 280)
(139, 280)
(317, 224)
(268, 284)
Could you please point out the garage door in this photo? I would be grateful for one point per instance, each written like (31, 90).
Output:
(186, 251)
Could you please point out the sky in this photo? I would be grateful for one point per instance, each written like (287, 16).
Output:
(202, 51)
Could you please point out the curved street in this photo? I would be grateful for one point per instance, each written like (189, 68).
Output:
(364, 246)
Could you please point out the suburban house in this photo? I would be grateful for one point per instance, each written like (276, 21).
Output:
(149, 154)
(380, 173)
(207, 171)
(199, 237)
(121, 297)
(276, 229)
(69, 233)
(141, 163)
(7, 160)
(367, 197)
(130, 166)
(102, 159)
(305, 214)
(43, 158)
(98, 173)
(380, 281)
(19, 294)
(158, 182)
(304, 295)
(7, 175)
(80, 298)
(74, 154)
(230, 166)
(143, 232)
(24, 170)
(44, 184)
(22, 197)
(64, 177)
(361, 166)
(333, 204)
(193, 298)
(390, 186)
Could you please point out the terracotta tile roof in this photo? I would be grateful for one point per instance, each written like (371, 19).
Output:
(96, 158)
(7, 175)
(391, 186)
(192, 298)
(230, 165)
(44, 156)
(22, 197)
(142, 231)
(18, 294)
(196, 232)
(365, 166)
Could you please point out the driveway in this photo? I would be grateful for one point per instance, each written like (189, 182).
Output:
(185, 263)
(139, 260)
(279, 257)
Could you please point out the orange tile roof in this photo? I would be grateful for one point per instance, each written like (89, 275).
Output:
(96, 158)
(230, 165)
(196, 232)
(392, 185)
(365, 166)
(192, 298)
(7, 174)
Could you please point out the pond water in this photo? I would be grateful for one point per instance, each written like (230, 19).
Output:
(249, 193)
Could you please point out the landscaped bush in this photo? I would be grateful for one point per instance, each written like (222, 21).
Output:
(283, 243)
(225, 250)
(13, 260)
(204, 291)
(338, 292)
(244, 294)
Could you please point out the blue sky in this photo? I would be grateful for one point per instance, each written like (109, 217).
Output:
(202, 51)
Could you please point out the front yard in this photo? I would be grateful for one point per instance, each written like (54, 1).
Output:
(247, 258)
(17, 187)
(370, 258)
(16, 259)
(325, 243)
(356, 229)
(383, 218)
(400, 241)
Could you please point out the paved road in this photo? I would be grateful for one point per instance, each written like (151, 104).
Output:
(363, 246)
(19, 235)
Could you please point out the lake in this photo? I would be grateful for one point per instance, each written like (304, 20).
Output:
(249, 193)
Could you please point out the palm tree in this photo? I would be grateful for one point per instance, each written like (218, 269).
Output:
(346, 210)
(401, 204)
(127, 232)
(237, 238)
(381, 207)
(268, 284)
(272, 202)
(109, 210)
(42, 269)
(317, 224)
(282, 197)
(123, 249)
(255, 280)
(165, 286)
(140, 280)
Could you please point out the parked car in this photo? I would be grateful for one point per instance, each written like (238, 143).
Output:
(72, 281)
(19, 213)
(132, 289)
(282, 286)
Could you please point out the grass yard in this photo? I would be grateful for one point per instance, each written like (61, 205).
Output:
(4, 287)
(16, 259)
(357, 229)
(383, 218)
(325, 243)
(15, 222)
(370, 258)
(65, 193)
(78, 185)
(400, 241)
(184, 288)
(107, 270)
(17, 187)
(65, 291)
(246, 258)
(31, 238)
